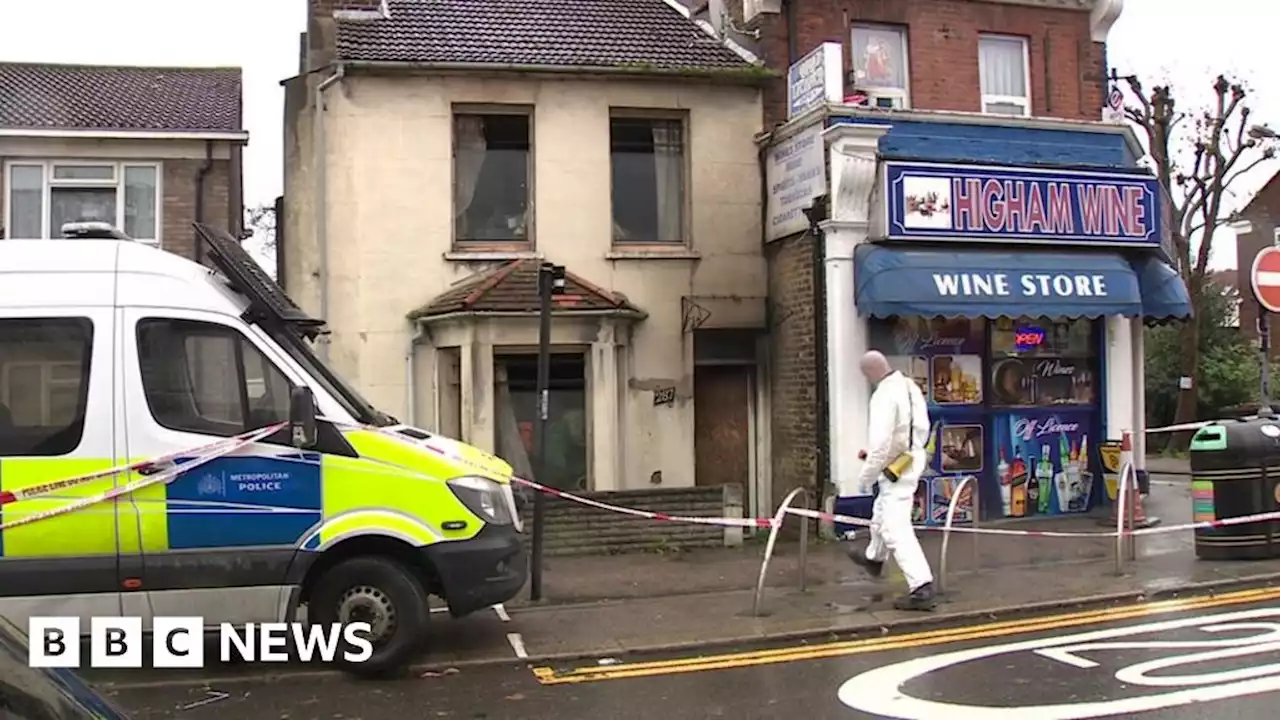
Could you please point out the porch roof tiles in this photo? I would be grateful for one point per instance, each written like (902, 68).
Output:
(512, 287)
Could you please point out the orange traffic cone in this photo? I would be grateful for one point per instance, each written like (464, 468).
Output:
(1134, 497)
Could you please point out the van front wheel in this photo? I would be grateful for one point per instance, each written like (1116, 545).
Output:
(378, 591)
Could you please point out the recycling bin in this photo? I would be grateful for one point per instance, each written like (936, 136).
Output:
(1235, 472)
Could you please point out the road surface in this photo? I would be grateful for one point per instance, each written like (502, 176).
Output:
(1208, 657)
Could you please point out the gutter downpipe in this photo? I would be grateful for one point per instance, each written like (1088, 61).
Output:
(411, 373)
(822, 377)
(793, 52)
(201, 174)
(322, 197)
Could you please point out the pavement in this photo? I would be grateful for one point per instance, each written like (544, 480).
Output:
(614, 607)
(1188, 659)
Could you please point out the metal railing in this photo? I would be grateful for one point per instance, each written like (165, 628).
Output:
(773, 540)
(1126, 517)
(941, 580)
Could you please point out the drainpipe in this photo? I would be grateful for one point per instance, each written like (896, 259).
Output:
(410, 370)
(321, 158)
(793, 53)
(201, 174)
(822, 409)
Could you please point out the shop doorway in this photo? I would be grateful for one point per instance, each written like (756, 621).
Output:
(724, 386)
(516, 406)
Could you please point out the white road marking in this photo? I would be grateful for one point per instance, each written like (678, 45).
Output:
(879, 691)
(502, 613)
(517, 644)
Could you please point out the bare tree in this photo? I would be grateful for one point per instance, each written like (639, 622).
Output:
(260, 222)
(1197, 167)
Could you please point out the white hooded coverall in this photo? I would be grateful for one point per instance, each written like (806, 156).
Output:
(899, 420)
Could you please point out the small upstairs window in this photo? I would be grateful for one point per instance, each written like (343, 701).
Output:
(1006, 82)
(880, 65)
(492, 177)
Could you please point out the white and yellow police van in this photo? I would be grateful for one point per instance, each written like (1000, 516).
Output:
(113, 352)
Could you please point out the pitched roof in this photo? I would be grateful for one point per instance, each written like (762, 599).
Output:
(620, 34)
(513, 287)
(35, 96)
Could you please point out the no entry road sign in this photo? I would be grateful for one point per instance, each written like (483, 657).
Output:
(1265, 278)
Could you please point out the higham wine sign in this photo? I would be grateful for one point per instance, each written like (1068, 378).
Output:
(926, 201)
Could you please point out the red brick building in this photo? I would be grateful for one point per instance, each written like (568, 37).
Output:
(1262, 218)
(148, 149)
(995, 84)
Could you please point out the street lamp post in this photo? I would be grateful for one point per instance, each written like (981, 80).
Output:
(550, 282)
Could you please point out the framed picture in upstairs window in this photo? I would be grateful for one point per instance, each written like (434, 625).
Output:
(879, 57)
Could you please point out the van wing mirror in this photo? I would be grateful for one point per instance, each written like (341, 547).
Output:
(302, 417)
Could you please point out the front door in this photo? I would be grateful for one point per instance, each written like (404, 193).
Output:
(722, 424)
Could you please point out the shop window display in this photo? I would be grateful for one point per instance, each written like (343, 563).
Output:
(1043, 409)
(945, 357)
(1013, 402)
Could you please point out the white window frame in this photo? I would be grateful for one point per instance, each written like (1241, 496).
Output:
(902, 94)
(49, 183)
(1024, 101)
(48, 381)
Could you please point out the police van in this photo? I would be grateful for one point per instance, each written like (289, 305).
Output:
(113, 352)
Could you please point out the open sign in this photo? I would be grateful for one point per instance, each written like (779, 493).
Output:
(1025, 339)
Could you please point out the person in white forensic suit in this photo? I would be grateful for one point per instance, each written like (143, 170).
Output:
(895, 457)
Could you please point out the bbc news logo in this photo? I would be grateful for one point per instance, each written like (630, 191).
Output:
(179, 642)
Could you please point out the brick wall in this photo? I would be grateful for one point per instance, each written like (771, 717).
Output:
(793, 380)
(1263, 213)
(1067, 68)
(180, 202)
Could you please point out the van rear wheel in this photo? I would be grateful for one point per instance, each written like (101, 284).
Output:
(379, 591)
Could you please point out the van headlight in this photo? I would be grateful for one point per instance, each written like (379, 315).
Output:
(484, 498)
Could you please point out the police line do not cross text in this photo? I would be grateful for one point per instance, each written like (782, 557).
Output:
(179, 642)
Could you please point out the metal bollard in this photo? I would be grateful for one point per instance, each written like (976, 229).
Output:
(804, 541)
(1132, 517)
(946, 532)
(977, 514)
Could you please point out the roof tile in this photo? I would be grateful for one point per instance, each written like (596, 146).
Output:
(86, 97)
(563, 33)
(513, 287)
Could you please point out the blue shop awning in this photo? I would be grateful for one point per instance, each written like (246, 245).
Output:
(1164, 295)
(895, 280)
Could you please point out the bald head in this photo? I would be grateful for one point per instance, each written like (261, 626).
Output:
(875, 366)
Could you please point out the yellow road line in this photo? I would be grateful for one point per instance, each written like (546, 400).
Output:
(548, 676)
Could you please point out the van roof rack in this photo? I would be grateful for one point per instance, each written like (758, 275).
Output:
(266, 298)
(92, 230)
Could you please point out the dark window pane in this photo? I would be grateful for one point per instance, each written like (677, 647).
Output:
(198, 378)
(491, 177)
(44, 384)
(648, 179)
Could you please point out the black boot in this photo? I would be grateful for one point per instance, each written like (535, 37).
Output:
(922, 598)
(874, 568)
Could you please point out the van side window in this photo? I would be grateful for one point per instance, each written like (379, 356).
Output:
(208, 379)
(44, 384)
